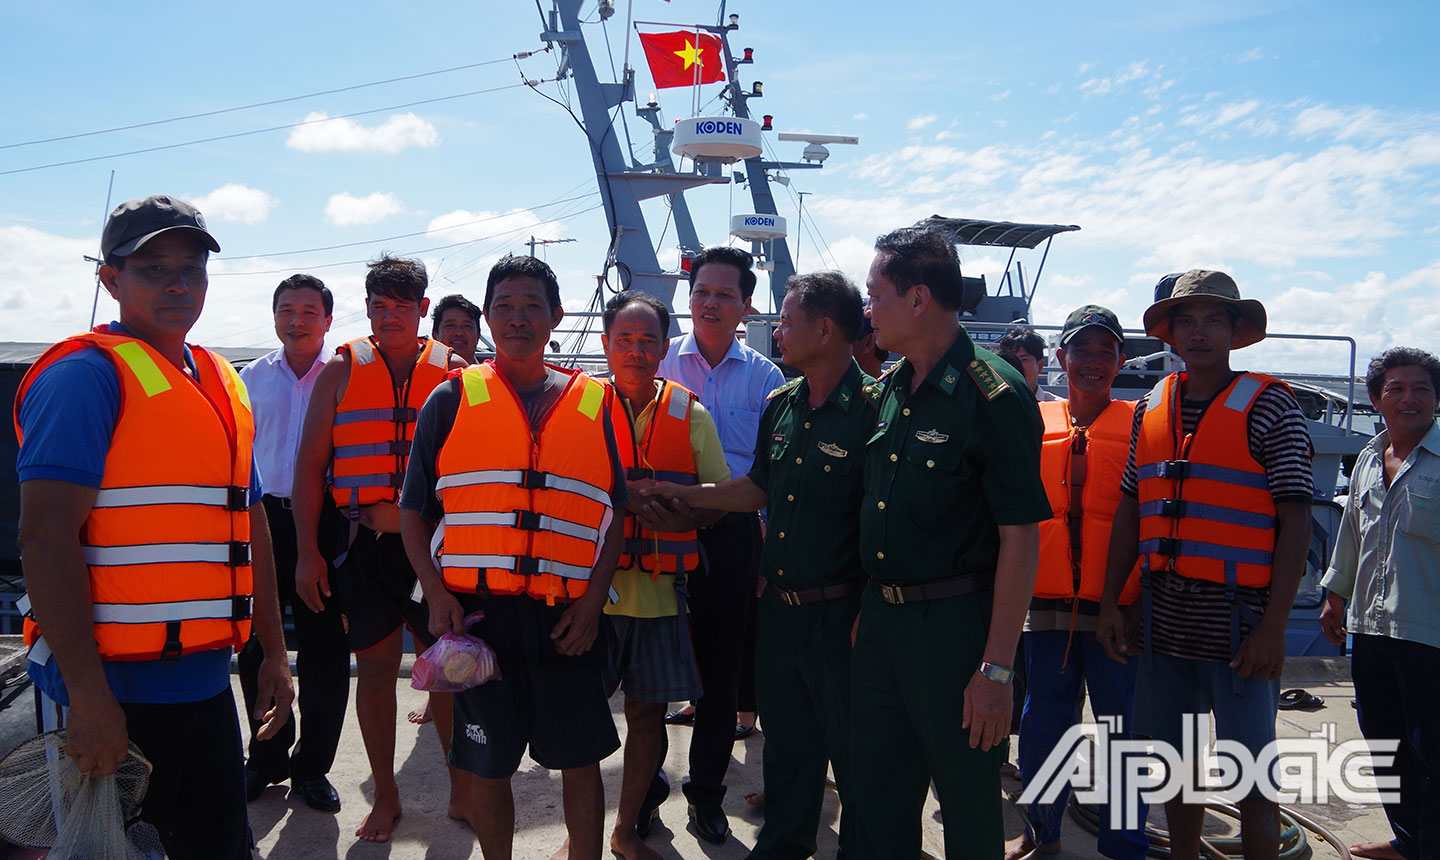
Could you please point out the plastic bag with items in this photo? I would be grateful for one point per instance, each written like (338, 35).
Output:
(455, 662)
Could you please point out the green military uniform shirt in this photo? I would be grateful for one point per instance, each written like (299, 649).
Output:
(809, 462)
(946, 465)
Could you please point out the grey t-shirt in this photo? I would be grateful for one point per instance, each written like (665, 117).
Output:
(437, 418)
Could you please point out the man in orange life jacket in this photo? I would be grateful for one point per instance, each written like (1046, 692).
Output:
(664, 434)
(516, 462)
(1216, 507)
(141, 543)
(358, 429)
(1087, 439)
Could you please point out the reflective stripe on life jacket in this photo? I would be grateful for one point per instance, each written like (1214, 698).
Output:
(529, 509)
(662, 454)
(375, 421)
(1103, 447)
(1205, 506)
(167, 542)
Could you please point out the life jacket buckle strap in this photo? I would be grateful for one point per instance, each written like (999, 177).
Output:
(527, 520)
(172, 650)
(239, 553)
(532, 479)
(242, 607)
(1173, 508)
(1167, 546)
(1174, 469)
(526, 565)
(237, 498)
(397, 480)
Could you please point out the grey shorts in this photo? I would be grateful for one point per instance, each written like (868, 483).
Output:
(653, 659)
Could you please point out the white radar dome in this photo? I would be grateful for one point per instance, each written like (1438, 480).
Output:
(717, 138)
(757, 228)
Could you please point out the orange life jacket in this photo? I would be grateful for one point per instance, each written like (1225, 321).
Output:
(664, 454)
(375, 422)
(1205, 506)
(1104, 447)
(167, 542)
(529, 509)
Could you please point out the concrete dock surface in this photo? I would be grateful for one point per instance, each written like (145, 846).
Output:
(286, 829)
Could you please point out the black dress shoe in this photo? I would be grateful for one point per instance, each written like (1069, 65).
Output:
(256, 781)
(743, 732)
(710, 822)
(679, 718)
(317, 793)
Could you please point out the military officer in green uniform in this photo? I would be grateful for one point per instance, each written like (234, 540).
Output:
(807, 475)
(949, 537)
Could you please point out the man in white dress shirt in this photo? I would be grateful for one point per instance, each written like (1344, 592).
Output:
(280, 384)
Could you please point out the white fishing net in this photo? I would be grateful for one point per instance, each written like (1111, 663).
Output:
(45, 802)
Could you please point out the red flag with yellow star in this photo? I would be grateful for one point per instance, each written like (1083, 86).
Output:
(674, 58)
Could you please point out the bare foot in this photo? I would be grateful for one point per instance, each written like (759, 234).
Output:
(1378, 850)
(460, 808)
(624, 843)
(563, 852)
(420, 716)
(377, 825)
(1022, 846)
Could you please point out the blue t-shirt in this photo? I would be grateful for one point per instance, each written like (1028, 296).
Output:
(67, 418)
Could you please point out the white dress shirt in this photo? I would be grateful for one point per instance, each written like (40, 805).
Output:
(279, 401)
(734, 391)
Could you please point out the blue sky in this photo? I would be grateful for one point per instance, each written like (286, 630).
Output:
(1296, 145)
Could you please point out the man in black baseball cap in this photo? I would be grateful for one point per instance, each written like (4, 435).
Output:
(140, 446)
(135, 222)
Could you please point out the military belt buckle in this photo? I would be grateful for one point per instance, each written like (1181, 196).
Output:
(788, 597)
(892, 593)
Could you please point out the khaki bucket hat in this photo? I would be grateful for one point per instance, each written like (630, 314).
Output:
(1205, 285)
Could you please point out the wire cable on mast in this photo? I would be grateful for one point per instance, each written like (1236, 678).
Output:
(220, 111)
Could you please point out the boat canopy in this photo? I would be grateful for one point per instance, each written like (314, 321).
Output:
(1002, 234)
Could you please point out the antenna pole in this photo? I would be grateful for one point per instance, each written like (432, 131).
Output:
(800, 224)
(95, 302)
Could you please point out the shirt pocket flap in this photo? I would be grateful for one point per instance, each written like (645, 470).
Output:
(945, 458)
(1421, 518)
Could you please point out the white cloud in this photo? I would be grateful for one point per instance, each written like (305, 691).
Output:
(1250, 56)
(861, 116)
(236, 202)
(1000, 97)
(1101, 86)
(345, 209)
(401, 131)
(919, 122)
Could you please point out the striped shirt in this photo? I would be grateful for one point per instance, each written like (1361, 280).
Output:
(1191, 617)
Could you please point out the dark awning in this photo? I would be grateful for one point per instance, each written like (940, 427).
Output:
(1003, 234)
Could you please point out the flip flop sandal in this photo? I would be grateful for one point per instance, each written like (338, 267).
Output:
(1300, 700)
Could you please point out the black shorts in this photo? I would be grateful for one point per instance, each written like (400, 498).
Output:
(374, 586)
(556, 705)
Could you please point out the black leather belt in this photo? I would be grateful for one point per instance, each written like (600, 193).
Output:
(937, 589)
(802, 596)
(282, 501)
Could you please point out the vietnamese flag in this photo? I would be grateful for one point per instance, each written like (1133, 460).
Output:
(673, 58)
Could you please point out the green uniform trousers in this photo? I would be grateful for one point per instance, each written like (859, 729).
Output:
(802, 688)
(909, 670)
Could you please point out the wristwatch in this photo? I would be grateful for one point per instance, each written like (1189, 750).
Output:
(998, 674)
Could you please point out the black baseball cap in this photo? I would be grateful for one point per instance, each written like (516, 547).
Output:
(135, 222)
(1091, 315)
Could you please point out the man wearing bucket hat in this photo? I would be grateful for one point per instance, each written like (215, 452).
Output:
(144, 538)
(1216, 507)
